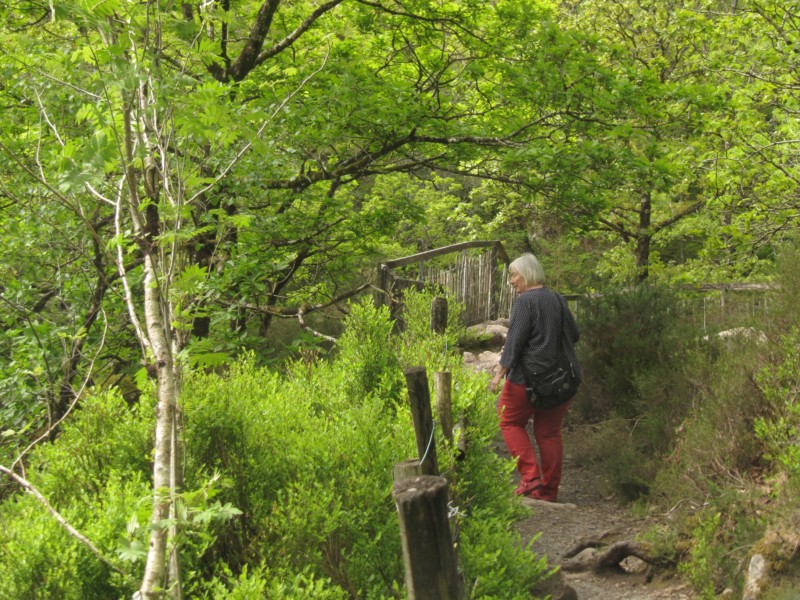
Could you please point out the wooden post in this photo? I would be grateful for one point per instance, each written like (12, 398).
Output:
(461, 446)
(439, 315)
(443, 385)
(406, 470)
(382, 283)
(428, 552)
(420, 399)
(494, 293)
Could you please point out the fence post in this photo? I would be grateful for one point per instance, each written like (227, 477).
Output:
(428, 554)
(439, 314)
(420, 399)
(443, 386)
(494, 292)
(381, 295)
(406, 469)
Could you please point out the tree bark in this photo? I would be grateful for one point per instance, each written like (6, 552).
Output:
(643, 238)
(163, 482)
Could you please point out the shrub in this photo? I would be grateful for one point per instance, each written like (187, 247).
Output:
(94, 475)
(634, 350)
(628, 337)
(288, 481)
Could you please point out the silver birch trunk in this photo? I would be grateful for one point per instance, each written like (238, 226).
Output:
(163, 483)
(162, 346)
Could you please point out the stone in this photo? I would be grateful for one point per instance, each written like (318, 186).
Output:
(756, 575)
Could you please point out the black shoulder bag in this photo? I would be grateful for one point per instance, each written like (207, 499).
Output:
(559, 383)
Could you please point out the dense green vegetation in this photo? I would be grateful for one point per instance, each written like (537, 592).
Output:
(710, 423)
(190, 194)
(288, 482)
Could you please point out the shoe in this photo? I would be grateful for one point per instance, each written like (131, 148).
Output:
(540, 494)
(526, 488)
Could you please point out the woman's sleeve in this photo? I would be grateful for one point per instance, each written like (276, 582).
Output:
(518, 333)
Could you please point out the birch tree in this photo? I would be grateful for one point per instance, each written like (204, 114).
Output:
(214, 159)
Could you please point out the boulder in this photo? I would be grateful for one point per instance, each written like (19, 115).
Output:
(494, 332)
(485, 362)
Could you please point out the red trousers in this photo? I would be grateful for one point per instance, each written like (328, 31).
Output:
(515, 411)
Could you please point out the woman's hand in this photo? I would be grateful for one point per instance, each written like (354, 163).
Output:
(498, 377)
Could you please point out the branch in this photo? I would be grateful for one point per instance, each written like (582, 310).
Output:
(62, 521)
(123, 274)
(292, 37)
(295, 312)
(224, 173)
(307, 328)
(624, 233)
(54, 426)
(693, 208)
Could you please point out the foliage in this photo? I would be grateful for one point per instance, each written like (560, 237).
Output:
(779, 431)
(703, 567)
(422, 347)
(96, 476)
(731, 472)
(628, 338)
(367, 346)
(288, 483)
(271, 158)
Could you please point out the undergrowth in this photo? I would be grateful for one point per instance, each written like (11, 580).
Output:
(288, 481)
(710, 431)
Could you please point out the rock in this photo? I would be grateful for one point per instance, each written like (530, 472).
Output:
(495, 332)
(746, 334)
(756, 576)
(486, 361)
(632, 564)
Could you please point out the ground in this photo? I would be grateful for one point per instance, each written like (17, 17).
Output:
(583, 512)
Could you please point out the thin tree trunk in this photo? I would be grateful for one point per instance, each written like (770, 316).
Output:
(163, 480)
(644, 237)
(161, 343)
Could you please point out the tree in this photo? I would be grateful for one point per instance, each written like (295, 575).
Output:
(209, 160)
(634, 156)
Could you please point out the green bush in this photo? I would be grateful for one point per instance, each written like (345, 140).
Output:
(635, 349)
(288, 481)
(96, 476)
(627, 337)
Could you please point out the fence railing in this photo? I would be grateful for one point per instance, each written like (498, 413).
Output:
(480, 283)
(474, 281)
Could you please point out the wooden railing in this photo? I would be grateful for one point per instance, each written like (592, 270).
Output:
(474, 281)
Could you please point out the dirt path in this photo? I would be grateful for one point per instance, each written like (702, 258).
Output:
(583, 512)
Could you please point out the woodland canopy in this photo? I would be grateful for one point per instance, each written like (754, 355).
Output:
(203, 190)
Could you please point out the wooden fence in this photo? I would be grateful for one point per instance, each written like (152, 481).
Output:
(479, 281)
(476, 281)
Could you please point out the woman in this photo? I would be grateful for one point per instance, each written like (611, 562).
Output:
(541, 325)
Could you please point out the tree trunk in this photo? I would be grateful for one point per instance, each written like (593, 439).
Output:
(162, 344)
(163, 476)
(643, 239)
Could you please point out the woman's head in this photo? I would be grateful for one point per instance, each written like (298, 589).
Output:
(528, 267)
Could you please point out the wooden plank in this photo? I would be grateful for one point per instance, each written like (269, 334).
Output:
(407, 260)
